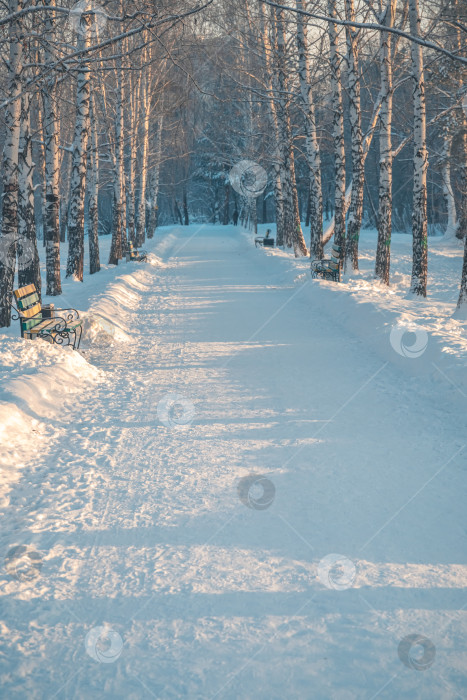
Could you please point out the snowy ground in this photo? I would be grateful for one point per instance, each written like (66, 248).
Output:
(151, 565)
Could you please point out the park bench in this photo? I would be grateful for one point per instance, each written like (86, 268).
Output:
(134, 255)
(264, 240)
(328, 268)
(59, 326)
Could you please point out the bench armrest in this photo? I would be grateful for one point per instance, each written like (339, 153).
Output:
(73, 314)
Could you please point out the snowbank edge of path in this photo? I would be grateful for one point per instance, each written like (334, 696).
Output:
(37, 379)
(421, 338)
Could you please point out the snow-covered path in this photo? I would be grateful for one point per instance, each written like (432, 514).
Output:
(206, 590)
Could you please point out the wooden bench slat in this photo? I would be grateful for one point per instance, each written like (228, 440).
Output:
(25, 291)
(26, 325)
(38, 327)
(28, 313)
(27, 302)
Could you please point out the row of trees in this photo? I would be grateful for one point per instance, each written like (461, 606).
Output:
(321, 91)
(86, 92)
(112, 110)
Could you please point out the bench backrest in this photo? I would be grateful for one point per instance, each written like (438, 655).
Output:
(131, 250)
(29, 305)
(335, 257)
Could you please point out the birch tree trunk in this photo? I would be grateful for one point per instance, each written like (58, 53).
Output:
(448, 194)
(267, 58)
(383, 248)
(141, 218)
(93, 233)
(462, 301)
(131, 180)
(315, 200)
(65, 200)
(419, 213)
(75, 263)
(28, 256)
(355, 117)
(9, 225)
(40, 166)
(293, 235)
(155, 179)
(119, 177)
(337, 132)
(52, 163)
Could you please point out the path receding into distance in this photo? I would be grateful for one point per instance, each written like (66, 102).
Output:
(207, 590)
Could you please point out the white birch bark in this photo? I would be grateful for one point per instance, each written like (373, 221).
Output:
(337, 132)
(51, 121)
(315, 212)
(271, 105)
(448, 194)
(93, 189)
(419, 213)
(9, 226)
(135, 86)
(28, 256)
(141, 218)
(355, 210)
(155, 180)
(383, 248)
(293, 235)
(119, 175)
(75, 262)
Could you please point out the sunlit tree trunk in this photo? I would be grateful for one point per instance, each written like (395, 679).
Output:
(448, 193)
(271, 105)
(51, 120)
(419, 210)
(119, 176)
(462, 301)
(293, 235)
(141, 218)
(383, 249)
(75, 262)
(93, 189)
(155, 180)
(337, 132)
(134, 82)
(28, 256)
(9, 225)
(65, 200)
(315, 202)
(355, 210)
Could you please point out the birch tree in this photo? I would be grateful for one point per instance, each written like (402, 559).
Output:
(420, 159)
(272, 113)
(93, 188)
(141, 218)
(119, 176)
(337, 132)
(315, 210)
(355, 211)
(383, 249)
(9, 225)
(155, 179)
(75, 261)
(293, 235)
(52, 160)
(28, 256)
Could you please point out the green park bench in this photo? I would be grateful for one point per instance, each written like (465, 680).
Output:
(59, 326)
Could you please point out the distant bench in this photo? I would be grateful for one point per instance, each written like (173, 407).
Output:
(134, 255)
(59, 326)
(264, 240)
